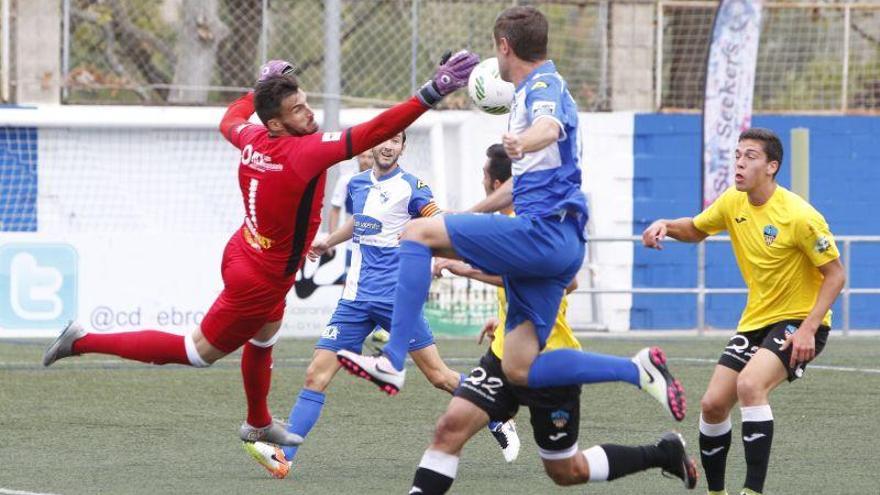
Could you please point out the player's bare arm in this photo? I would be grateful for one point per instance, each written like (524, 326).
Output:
(803, 341)
(541, 134)
(337, 237)
(500, 199)
(681, 229)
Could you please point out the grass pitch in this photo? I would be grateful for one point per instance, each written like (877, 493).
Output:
(102, 425)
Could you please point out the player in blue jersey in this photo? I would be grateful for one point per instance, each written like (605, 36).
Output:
(537, 252)
(384, 200)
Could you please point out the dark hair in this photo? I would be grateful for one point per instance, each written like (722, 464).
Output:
(769, 142)
(525, 29)
(270, 93)
(499, 163)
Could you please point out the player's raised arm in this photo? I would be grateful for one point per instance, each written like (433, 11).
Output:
(452, 74)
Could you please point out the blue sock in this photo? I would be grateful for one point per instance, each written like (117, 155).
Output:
(303, 416)
(493, 425)
(413, 282)
(461, 377)
(572, 367)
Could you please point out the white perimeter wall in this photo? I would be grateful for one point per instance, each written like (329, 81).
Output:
(148, 212)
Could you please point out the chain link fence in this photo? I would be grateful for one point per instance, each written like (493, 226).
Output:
(813, 56)
(205, 51)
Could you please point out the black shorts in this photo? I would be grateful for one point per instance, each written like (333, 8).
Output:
(555, 411)
(742, 346)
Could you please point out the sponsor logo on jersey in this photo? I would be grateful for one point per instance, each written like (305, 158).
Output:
(420, 185)
(543, 108)
(329, 137)
(258, 161)
(770, 233)
(366, 225)
(822, 244)
(560, 418)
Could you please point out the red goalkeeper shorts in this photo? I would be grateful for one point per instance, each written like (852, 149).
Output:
(249, 300)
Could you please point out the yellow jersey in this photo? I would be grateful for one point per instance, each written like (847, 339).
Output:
(777, 246)
(561, 337)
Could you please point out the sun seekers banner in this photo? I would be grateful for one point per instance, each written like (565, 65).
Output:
(730, 81)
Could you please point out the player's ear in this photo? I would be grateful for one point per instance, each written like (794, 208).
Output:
(274, 126)
(773, 167)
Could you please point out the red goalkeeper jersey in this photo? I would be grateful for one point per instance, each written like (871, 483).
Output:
(282, 179)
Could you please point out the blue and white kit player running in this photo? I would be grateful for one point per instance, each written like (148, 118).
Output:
(384, 200)
(538, 252)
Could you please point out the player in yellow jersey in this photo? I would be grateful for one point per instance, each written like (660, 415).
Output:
(791, 266)
(487, 395)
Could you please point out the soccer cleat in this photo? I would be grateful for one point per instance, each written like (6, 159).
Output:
(508, 439)
(381, 335)
(678, 464)
(275, 433)
(721, 492)
(749, 491)
(270, 457)
(62, 346)
(655, 378)
(377, 369)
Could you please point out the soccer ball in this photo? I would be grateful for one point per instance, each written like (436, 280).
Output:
(487, 90)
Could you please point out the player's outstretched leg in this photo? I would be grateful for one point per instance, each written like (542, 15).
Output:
(609, 462)
(656, 380)
(270, 457)
(147, 346)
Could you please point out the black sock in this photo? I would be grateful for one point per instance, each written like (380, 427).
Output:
(435, 474)
(714, 445)
(757, 433)
(624, 460)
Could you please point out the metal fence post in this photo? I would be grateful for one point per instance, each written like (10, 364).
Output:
(65, 48)
(264, 32)
(414, 46)
(701, 288)
(5, 50)
(658, 62)
(602, 21)
(847, 252)
(332, 64)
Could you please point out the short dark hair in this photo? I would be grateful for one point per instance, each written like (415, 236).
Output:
(525, 29)
(499, 163)
(269, 94)
(770, 142)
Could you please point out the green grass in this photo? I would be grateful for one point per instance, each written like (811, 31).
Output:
(98, 425)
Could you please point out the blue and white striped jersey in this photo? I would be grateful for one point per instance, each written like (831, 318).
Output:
(548, 181)
(381, 209)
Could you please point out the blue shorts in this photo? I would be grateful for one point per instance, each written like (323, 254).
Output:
(353, 321)
(536, 257)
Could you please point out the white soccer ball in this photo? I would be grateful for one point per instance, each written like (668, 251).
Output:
(487, 90)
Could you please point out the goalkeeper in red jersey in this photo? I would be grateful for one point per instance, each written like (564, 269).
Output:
(281, 174)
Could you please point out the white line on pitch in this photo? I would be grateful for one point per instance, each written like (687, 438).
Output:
(7, 491)
(121, 364)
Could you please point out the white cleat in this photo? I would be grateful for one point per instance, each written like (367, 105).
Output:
(377, 369)
(270, 457)
(508, 439)
(655, 378)
(62, 346)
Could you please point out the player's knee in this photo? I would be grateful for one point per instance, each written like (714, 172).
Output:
(713, 410)
(749, 389)
(448, 428)
(516, 374)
